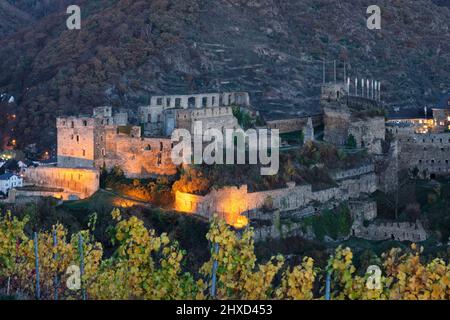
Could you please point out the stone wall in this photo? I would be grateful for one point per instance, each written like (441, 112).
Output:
(429, 153)
(139, 158)
(76, 141)
(233, 201)
(340, 124)
(81, 182)
(91, 142)
(198, 101)
(369, 133)
(363, 210)
(400, 231)
(386, 168)
(220, 118)
(265, 233)
(344, 174)
(337, 124)
(18, 196)
(360, 209)
(294, 124)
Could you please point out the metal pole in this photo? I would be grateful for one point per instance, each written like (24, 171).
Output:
(8, 286)
(335, 76)
(379, 90)
(55, 257)
(80, 249)
(372, 90)
(323, 70)
(328, 286)
(345, 71)
(214, 272)
(36, 257)
(362, 87)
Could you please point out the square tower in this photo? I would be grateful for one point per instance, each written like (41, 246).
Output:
(75, 142)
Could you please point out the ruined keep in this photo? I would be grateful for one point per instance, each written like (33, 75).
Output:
(346, 116)
(104, 141)
(215, 110)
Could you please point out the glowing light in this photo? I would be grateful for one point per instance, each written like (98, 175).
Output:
(231, 208)
(241, 222)
(123, 203)
(184, 201)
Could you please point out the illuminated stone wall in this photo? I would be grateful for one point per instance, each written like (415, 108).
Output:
(76, 141)
(91, 142)
(231, 202)
(139, 157)
(81, 182)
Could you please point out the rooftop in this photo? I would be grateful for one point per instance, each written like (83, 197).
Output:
(7, 176)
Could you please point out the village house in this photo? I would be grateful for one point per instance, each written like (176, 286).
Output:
(9, 181)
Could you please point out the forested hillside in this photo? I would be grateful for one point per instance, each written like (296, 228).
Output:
(128, 50)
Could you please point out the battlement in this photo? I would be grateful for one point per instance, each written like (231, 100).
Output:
(400, 231)
(102, 116)
(198, 101)
(355, 102)
(333, 92)
(205, 113)
(103, 112)
(75, 122)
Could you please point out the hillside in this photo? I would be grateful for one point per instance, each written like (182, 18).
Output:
(12, 18)
(128, 50)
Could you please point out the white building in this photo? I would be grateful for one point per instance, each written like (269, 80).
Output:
(9, 181)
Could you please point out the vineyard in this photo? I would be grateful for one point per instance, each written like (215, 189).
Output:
(51, 265)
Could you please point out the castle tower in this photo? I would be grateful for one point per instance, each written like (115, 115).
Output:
(333, 92)
(76, 142)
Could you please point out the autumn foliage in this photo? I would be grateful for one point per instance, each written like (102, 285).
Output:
(145, 265)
